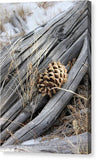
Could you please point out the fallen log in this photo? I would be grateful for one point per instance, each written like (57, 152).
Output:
(54, 107)
(11, 87)
(48, 29)
(74, 144)
(11, 114)
(67, 56)
(12, 124)
(60, 39)
(53, 28)
(7, 118)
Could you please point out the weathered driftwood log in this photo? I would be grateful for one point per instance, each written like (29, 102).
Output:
(14, 111)
(14, 124)
(69, 54)
(74, 144)
(58, 31)
(11, 114)
(54, 27)
(32, 42)
(60, 39)
(55, 105)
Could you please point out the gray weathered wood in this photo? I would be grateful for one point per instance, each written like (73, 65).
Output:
(54, 107)
(52, 28)
(12, 124)
(11, 114)
(54, 55)
(55, 145)
(8, 92)
(69, 54)
(60, 39)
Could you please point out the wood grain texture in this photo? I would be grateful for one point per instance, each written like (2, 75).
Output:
(12, 124)
(46, 45)
(56, 104)
(52, 29)
(65, 37)
(67, 56)
(57, 145)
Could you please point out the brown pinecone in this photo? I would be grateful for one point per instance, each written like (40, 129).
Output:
(54, 76)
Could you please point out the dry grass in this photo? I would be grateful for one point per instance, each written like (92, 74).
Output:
(45, 5)
(30, 86)
(27, 89)
(21, 12)
(13, 137)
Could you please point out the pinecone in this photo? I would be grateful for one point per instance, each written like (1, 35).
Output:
(54, 76)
